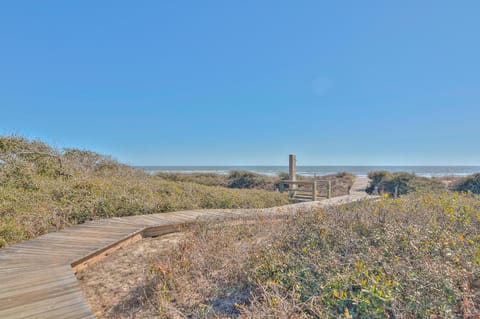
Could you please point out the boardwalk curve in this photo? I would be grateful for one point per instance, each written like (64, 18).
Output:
(37, 277)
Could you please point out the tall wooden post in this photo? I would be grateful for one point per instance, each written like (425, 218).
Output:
(314, 190)
(292, 170)
(292, 167)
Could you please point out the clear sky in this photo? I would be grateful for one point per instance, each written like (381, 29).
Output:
(246, 82)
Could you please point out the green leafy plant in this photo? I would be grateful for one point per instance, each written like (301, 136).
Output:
(468, 184)
(401, 183)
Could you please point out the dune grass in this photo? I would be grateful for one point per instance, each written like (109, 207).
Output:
(468, 184)
(402, 183)
(234, 179)
(341, 182)
(43, 189)
(413, 257)
(207, 179)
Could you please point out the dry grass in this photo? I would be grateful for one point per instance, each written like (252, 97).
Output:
(341, 182)
(413, 257)
(43, 189)
(129, 282)
(208, 179)
(123, 285)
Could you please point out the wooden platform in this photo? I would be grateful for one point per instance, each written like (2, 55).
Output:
(37, 277)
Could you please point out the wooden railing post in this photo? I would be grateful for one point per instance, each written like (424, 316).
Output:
(314, 191)
(329, 191)
(292, 171)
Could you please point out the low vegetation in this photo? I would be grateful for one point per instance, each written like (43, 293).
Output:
(401, 183)
(341, 182)
(251, 180)
(413, 257)
(43, 189)
(468, 184)
(208, 179)
(235, 179)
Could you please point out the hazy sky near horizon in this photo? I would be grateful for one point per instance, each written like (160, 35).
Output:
(246, 82)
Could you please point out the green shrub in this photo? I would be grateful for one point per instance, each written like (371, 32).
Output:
(468, 184)
(378, 177)
(246, 179)
(401, 183)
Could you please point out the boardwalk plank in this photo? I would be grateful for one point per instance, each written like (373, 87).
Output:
(36, 277)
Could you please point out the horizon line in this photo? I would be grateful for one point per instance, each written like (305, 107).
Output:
(338, 165)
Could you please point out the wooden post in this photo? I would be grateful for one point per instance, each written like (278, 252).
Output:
(314, 191)
(329, 191)
(281, 187)
(395, 194)
(292, 171)
(292, 167)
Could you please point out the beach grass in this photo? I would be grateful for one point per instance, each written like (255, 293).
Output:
(44, 189)
(401, 183)
(413, 257)
(341, 182)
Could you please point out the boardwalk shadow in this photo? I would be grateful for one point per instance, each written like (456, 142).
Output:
(140, 303)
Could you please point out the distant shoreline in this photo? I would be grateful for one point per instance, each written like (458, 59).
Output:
(426, 171)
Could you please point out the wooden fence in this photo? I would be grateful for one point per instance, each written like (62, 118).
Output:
(307, 190)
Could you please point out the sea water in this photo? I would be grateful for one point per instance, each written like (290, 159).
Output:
(428, 171)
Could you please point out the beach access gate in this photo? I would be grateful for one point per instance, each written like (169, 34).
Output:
(304, 190)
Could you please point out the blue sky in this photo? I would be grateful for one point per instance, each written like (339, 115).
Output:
(246, 82)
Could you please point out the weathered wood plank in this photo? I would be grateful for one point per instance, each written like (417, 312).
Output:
(71, 305)
(36, 277)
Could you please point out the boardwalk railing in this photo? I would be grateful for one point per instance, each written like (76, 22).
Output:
(308, 190)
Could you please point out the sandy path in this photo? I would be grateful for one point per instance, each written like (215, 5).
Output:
(119, 286)
(359, 185)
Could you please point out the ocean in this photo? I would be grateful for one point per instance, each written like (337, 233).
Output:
(428, 171)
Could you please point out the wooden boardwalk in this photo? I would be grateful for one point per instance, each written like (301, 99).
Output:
(37, 277)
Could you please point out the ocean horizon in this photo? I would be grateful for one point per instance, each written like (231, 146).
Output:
(427, 171)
